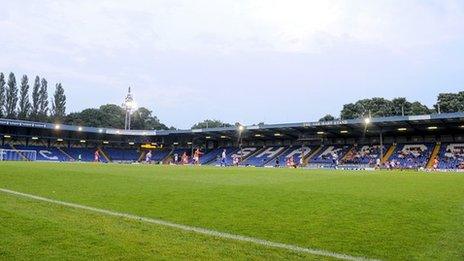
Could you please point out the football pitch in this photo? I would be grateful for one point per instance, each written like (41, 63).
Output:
(109, 211)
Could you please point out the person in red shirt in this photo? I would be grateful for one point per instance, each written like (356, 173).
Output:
(184, 158)
(97, 156)
(435, 163)
(292, 163)
(196, 156)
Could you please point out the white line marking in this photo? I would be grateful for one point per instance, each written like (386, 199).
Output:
(198, 230)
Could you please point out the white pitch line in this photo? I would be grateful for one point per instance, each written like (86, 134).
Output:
(198, 230)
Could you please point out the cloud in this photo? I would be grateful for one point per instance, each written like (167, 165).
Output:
(225, 26)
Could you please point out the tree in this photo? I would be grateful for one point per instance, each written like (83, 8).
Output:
(43, 101)
(88, 117)
(401, 106)
(11, 97)
(2, 94)
(349, 111)
(418, 108)
(114, 116)
(450, 102)
(74, 118)
(107, 116)
(59, 103)
(377, 107)
(143, 119)
(327, 117)
(380, 107)
(35, 100)
(210, 124)
(24, 103)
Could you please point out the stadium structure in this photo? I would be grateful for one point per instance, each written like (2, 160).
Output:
(411, 142)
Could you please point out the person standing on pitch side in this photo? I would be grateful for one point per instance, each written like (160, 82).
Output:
(223, 158)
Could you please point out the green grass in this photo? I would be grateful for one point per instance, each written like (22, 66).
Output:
(385, 215)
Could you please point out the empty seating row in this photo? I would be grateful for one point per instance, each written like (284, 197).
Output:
(292, 153)
(46, 153)
(122, 155)
(264, 156)
(451, 156)
(330, 154)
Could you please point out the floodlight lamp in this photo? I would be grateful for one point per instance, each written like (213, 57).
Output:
(131, 105)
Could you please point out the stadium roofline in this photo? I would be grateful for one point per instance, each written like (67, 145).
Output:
(336, 124)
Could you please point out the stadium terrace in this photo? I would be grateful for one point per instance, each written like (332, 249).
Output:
(411, 142)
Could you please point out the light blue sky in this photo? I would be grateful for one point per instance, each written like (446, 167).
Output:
(246, 61)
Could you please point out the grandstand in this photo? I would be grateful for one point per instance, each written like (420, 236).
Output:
(407, 141)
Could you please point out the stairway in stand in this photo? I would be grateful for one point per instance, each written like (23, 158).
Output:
(19, 152)
(104, 154)
(66, 154)
(389, 152)
(310, 155)
(435, 152)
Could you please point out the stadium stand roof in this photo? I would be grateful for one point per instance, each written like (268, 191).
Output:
(444, 122)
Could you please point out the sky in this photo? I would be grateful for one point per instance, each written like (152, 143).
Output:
(246, 61)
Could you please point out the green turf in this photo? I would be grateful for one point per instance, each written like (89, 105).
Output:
(385, 215)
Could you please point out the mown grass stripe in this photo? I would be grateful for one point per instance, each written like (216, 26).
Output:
(198, 230)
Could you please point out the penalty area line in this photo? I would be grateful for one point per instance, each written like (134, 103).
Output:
(193, 229)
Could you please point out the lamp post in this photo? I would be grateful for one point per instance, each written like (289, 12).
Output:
(129, 105)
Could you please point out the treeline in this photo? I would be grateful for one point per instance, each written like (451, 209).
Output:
(210, 124)
(25, 104)
(22, 102)
(380, 107)
(112, 116)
